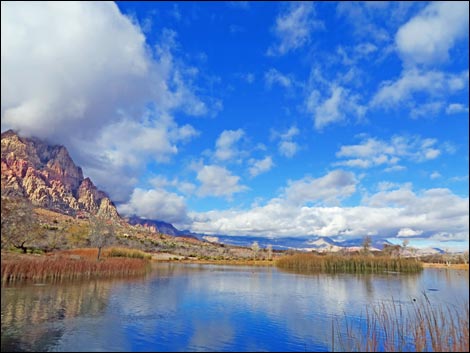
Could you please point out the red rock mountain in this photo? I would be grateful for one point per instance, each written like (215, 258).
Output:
(49, 178)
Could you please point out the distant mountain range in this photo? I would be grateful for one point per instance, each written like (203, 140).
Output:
(306, 243)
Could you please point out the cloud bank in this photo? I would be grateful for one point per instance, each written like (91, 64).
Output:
(81, 74)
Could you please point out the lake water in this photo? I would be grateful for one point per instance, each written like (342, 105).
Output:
(181, 307)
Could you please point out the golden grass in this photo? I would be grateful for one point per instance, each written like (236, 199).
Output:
(125, 252)
(313, 263)
(67, 266)
(423, 327)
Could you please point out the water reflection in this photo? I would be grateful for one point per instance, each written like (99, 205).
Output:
(29, 311)
(205, 308)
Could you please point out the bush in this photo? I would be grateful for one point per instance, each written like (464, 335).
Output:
(129, 253)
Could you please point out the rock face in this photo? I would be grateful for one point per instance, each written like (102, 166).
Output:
(49, 178)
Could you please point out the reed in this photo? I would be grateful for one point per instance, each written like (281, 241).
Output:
(65, 267)
(129, 253)
(417, 326)
(313, 263)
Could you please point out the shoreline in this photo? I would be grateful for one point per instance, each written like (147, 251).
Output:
(449, 267)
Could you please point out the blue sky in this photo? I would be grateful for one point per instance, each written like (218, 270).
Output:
(255, 118)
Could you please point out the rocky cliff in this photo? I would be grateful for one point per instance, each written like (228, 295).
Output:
(48, 176)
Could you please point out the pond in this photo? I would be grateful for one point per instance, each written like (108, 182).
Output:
(192, 307)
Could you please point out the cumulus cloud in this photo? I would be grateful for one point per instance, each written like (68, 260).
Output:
(225, 146)
(435, 175)
(328, 189)
(334, 108)
(293, 28)
(82, 75)
(184, 187)
(218, 181)
(287, 147)
(427, 215)
(434, 84)
(456, 108)
(273, 76)
(408, 232)
(260, 166)
(156, 204)
(428, 37)
(372, 152)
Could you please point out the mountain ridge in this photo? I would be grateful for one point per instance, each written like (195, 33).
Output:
(47, 176)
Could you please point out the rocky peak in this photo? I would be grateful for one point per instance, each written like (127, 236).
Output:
(48, 176)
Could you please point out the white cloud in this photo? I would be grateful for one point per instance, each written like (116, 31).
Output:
(388, 213)
(184, 187)
(335, 108)
(372, 152)
(329, 189)
(116, 165)
(81, 74)
(412, 82)
(273, 76)
(408, 232)
(435, 175)
(394, 168)
(218, 181)
(294, 27)
(260, 166)
(226, 144)
(156, 204)
(286, 146)
(372, 22)
(426, 110)
(428, 37)
(364, 49)
(456, 108)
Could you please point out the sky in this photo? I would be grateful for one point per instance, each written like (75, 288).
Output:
(272, 119)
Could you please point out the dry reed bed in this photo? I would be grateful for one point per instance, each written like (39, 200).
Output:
(68, 265)
(419, 327)
(313, 263)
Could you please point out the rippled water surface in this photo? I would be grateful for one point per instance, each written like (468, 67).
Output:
(181, 307)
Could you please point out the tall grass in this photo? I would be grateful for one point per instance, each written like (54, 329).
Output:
(129, 253)
(313, 263)
(421, 327)
(16, 268)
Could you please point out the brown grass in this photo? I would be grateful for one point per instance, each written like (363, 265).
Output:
(450, 266)
(313, 263)
(81, 263)
(423, 327)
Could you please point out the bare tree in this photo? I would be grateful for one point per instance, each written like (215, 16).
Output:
(465, 257)
(269, 248)
(20, 228)
(102, 233)
(255, 248)
(404, 246)
(366, 244)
